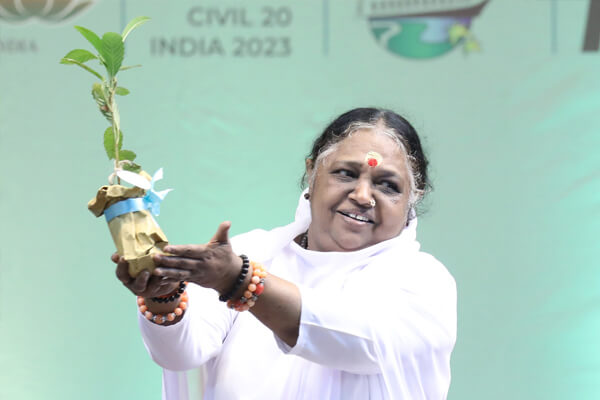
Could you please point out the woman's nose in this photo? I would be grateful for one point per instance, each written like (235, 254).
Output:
(362, 193)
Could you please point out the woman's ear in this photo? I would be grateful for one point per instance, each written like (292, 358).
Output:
(309, 166)
(309, 171)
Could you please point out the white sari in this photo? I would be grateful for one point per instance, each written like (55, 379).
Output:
(378, 323)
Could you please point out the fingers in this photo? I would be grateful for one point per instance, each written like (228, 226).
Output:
(199, 250)
(115, 257)
(137, 285)
(222, 235)
(123, 270)
(174, 274)
(140, 282)
(146, 284)
(176, 262)
(161, 285)
(186, 250)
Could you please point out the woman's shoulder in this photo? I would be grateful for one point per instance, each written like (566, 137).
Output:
(260, 244)
(415, 271)
(249, 241)
(427, 264)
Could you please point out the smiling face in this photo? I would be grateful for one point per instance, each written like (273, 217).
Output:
(342, 191)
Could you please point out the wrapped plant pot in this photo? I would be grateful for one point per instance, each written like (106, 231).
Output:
(129, 214)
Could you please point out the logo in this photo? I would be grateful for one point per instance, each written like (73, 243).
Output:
(47, 10)
(422, 29)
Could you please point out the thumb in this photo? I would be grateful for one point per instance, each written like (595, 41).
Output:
(222, 234)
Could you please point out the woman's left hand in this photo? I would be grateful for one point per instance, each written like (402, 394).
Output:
(212, 265)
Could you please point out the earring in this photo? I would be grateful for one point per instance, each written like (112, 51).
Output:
(306, 196)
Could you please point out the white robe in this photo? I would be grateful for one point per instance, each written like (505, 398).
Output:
(378, 323)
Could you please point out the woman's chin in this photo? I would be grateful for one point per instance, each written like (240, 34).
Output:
(351, 244)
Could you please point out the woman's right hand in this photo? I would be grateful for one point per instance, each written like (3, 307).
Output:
(145, 284)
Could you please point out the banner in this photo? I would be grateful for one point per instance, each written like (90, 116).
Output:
(228, 99)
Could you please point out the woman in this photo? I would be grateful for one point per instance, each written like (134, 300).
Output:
(349, 309)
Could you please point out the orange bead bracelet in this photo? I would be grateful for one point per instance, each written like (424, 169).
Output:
(255, 289)
(160, 318)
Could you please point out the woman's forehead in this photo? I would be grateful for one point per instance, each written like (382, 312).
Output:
(364, 143)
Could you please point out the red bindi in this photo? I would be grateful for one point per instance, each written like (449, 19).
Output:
(373, 158)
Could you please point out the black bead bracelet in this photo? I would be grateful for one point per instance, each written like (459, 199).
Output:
(172, 297)
(240, 279)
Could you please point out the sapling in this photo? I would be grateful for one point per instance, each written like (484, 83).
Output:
(110, 53)
(128, 210)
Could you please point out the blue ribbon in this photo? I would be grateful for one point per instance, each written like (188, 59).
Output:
(151, 201)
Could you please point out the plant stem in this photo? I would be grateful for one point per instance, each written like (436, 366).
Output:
(112, 105)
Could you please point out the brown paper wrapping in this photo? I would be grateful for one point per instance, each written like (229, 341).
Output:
(136, 234)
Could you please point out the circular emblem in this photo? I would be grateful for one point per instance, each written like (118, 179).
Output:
(48, 10)
(422, 28)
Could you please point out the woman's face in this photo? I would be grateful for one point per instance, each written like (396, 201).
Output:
(341, 193)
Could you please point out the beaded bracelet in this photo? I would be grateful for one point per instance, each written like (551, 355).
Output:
(255, 289)
(171, 296)
(159, 318)
(240, 279)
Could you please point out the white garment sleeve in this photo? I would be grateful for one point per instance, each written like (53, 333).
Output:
(196, 338)
(201, 332)
(397, 312)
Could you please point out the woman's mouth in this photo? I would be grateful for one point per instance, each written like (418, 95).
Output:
(356, 217)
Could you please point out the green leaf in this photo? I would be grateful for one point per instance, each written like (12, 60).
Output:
(471, 46)
(127, 155)
(129, 67)
(133, 167)
(92, 38)
(457, 32)
(80, 55)
(98, 92)
(99, 95)
(75, 62)
(134, 23)
(113, 51)
(121, 91)
(109, 142)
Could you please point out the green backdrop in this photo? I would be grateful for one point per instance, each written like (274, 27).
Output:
(229, 97)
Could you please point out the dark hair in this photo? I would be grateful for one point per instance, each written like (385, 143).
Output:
(395, 125)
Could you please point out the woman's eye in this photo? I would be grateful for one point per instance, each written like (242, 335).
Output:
(389, 186)
(345, 173)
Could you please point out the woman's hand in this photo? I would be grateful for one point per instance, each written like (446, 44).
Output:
(144, 284)
(212, 265)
